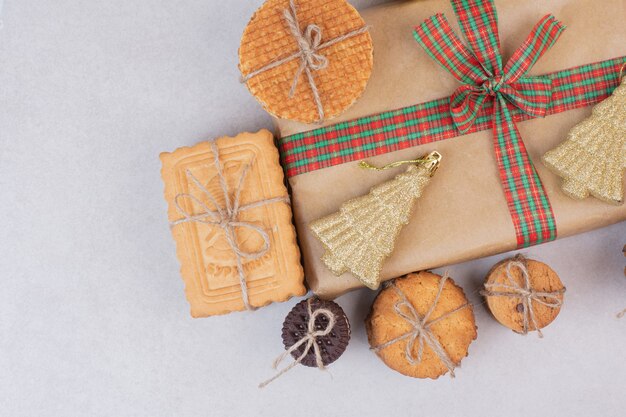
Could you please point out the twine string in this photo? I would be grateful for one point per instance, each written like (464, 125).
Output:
(309, 340)
(421, 332)
(525, 293)
(309, 44)
(227, 217)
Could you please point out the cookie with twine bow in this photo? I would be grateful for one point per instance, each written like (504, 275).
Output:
(421, 325)
(524, 295)
(315, 333)
(230, 216)
(306, 60)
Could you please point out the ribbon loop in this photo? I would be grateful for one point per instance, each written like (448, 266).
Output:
(479, 23)
(531, 95)
(539, 41)
(465, 106)
(444, 46)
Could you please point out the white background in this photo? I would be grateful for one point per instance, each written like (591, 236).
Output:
(93, 320)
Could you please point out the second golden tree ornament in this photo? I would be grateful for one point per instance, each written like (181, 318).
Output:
(592, 159)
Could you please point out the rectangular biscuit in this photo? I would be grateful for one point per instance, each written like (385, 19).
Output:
(209, 264)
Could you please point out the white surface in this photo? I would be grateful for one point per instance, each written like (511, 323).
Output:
(93, 320)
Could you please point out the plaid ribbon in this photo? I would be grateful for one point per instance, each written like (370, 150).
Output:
(485, 79)
(492, 96)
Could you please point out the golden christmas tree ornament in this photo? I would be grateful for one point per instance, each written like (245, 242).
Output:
(362, 234)
(592, 159)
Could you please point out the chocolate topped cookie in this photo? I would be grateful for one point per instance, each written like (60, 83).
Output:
(331, 345)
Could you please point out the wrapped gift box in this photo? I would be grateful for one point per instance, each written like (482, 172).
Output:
(463, 214)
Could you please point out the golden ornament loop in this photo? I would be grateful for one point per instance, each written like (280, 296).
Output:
(430, 162)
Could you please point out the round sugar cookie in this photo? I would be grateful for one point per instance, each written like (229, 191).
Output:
(455, 332)
(268, 39)
(509, 311)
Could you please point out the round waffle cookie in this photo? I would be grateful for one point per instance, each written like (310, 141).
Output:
(331, 346)
(272, 61)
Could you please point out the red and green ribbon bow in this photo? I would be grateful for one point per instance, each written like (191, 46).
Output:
(492, 96)
(487, 83)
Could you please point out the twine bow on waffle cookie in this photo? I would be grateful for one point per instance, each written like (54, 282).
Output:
(309, 44)
(421, 331)
(504, 92)
(309, 340)
(227, 217)
(525, 292)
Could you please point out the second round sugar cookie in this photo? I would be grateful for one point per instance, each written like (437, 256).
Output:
(523, 294)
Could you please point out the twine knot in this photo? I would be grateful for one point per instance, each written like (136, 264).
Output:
(309, 43)
(226, 217)
(309, 339)
(421, 329)
(525, 293)
(421, 332)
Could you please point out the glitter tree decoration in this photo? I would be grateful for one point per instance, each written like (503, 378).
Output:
(592, 159)
(362, 234)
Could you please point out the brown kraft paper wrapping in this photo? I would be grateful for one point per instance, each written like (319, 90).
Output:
(463, 213)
